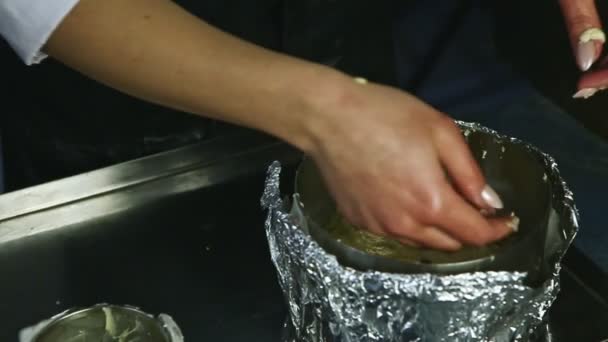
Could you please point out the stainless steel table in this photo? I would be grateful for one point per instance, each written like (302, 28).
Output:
(182, 233)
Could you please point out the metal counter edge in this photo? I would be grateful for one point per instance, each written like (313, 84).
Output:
(116, 188)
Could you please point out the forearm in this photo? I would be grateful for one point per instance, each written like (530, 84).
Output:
(156, 51)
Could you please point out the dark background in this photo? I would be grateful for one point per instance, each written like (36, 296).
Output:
(530, 35)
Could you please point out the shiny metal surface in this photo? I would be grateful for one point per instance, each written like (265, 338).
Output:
(196, 251)
(412, 302)
(104, 323)
(118, 188)
(127, 174)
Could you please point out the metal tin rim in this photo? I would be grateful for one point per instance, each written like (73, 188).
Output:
(508, 257)
(58, 319)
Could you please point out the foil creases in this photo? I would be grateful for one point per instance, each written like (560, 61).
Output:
(329, 302)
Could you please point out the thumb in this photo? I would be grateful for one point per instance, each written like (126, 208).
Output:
(584, 30)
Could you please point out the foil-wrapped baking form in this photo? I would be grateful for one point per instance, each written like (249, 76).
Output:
(330, 302)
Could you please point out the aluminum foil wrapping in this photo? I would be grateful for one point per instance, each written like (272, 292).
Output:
(329, 302)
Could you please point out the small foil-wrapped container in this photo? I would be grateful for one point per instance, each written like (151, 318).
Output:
(345, 285)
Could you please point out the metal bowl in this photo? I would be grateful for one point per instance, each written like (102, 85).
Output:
(514, 171)
(104, 323)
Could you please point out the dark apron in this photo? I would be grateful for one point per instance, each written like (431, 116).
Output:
(57, 123)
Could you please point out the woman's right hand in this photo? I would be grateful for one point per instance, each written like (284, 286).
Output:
(382, 152)
(384, 156)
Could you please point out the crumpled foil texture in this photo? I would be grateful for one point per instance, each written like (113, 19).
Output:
(329, 302)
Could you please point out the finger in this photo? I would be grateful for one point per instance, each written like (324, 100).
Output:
(407, 242)
(457, 158)
(463, 222)
(504, 227)
(412, 233)
(512, 222)
(372, 224)
(432, 237)
(584, 29)
(590, 83)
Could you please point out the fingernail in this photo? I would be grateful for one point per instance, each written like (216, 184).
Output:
(514, 224)
(491, 197)
(585, 93)
(586, 54)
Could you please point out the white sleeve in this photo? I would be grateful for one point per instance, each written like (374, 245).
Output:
(27, 24)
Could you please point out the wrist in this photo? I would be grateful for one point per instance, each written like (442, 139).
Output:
(319, 97)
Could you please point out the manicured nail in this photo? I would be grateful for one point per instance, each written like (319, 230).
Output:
(585, 93)
(586, 55)
(491, 197)
(514, 224)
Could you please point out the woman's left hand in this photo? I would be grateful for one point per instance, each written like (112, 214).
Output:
(587, 40)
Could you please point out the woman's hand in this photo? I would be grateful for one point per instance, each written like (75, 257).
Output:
(385, 155)
(587, 40)
(382, 152)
